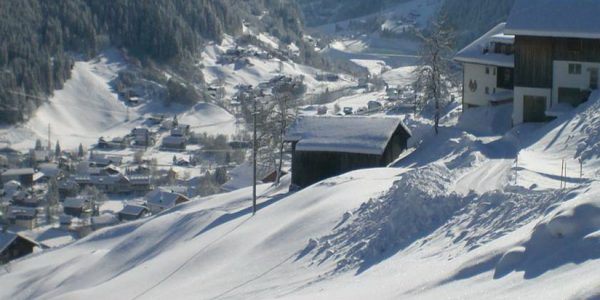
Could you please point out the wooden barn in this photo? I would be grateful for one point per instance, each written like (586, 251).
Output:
(324, 147)
(14, 245)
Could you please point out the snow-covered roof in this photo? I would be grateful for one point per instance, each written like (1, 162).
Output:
(133, 210)
(6, 238)
(349, 134)
(74, 202)
(20, 212)
(479, 51)
(18, 172)
(162, 198)
(555, 18)
(104, 220)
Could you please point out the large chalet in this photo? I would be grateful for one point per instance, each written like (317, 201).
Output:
(557, 55)
(554, 48)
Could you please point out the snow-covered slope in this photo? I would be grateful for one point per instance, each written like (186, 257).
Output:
(402, 232)
(88, 107)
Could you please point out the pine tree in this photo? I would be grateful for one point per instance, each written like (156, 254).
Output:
(38, 144)
(57, 150)
(80, 151)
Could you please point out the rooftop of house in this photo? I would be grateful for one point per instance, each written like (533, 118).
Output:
(555, 18)
(133, 210)
(349, 134)
(18, 172)
(21, 212)
(173, 139)
(163, 198)
(74, 202)
(104, 220)
(481, 51)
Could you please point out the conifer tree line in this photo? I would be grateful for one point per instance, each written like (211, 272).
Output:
(39, 38)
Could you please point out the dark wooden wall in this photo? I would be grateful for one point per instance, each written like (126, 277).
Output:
(533, 62)
(309, 167)
(19, 248)
(534, 57)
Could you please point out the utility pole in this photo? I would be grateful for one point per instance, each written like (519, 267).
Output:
(254, 155)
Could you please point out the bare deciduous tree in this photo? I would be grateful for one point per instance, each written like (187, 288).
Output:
(434, 69)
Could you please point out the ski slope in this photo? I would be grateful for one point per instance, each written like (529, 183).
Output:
(403, 232)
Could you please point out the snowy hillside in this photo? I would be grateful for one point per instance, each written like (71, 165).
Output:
(411, 231)
(88, 107)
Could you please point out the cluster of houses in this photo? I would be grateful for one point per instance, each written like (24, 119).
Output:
(178, 138)
(43, 189)
(544, 60)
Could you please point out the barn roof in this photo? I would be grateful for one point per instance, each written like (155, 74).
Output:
(8, 237)
(133, 210)
(348, 134)
(163, 198)
(555, 18)
(474, 52)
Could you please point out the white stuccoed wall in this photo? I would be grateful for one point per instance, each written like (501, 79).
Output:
(477, 72)
(562, 78)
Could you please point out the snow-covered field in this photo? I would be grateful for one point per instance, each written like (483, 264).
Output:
(415, 230)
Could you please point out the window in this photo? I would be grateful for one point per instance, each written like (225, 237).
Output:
(494, 91)
(487, 90)
(487, 70)
(575, 69)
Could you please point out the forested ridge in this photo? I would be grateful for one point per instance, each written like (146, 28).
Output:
(39, 38)
(472, 18)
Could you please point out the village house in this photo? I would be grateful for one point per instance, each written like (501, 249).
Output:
(13, 156)
(174, 143)
(105, 160)
(324, 147)
(23, 176)
(14, 245)
(25, 217)
(557, 56)
(139, 184)
(133, 212)
(50, 171)
(181, 130)
(488, 69)
(37, 156)
(67, 187)
(159, 200)
(115, 143)
(77, 206)
(142, 137)
(26, 199)
(102, 221)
